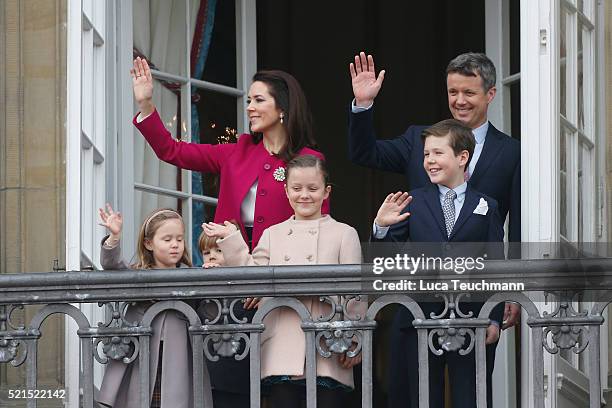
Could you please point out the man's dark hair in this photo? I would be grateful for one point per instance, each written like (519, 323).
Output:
(461, 136)
(474, 64)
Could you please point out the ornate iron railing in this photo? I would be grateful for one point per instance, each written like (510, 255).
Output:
(177, 289)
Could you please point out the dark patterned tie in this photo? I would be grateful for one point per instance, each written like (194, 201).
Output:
(448, 208)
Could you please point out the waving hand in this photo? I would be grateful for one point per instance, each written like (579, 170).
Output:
(365, 83)
(390, 212)
(142, 83)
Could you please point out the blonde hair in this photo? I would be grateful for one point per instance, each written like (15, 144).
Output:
(206, 243)
(147, 231)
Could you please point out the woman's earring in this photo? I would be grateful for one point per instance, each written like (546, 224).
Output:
(282, 115)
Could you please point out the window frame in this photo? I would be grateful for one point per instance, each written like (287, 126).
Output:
(89, 143)
(246, 65)
(586, 139)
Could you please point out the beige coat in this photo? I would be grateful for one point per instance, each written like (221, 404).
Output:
(293, 242)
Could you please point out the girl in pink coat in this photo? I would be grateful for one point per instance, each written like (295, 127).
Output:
(253, 169)
(308, 237)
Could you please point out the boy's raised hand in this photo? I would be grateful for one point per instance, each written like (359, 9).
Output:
(112, 220)
(212, 229)
(390, 212)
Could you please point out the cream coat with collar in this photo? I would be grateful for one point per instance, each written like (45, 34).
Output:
(298, 242)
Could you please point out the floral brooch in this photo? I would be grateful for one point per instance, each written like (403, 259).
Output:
(279, 174)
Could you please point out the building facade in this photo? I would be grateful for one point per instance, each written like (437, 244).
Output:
(67, 144)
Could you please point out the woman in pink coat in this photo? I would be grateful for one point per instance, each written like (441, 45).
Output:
(253, 169)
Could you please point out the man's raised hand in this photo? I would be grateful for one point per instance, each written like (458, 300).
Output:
(363, 77)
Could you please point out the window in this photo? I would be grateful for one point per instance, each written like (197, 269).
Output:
(90, 132)
(577, 122)
(93, 128)
(203, 56)
(503, 47)
(580, 206)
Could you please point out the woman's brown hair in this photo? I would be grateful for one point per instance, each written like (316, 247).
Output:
(290, 99)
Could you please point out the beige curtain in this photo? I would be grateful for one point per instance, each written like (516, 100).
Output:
(159, 33)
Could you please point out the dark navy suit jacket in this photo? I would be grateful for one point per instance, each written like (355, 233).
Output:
(497, 173)
(426, 225)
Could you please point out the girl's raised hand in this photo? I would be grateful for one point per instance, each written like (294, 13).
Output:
(142, 83)
(112, 220)
(217, 230)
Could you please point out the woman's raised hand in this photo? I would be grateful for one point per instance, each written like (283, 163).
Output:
(218, 230)
(112, 220)
(142, 82)
(363, 78)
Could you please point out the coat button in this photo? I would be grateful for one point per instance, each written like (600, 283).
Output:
(310, 258)
(267, 166)
(260, 219)
(287, 258)
(262, 192)
(312, 232)
(290, 231)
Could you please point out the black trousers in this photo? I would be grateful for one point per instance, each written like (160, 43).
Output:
(404, 373)
(287, 395)
(224, 399)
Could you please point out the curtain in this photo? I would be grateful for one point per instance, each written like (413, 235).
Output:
(203, 29)
(159, 35)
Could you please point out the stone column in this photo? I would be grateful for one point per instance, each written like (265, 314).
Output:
(32, 163)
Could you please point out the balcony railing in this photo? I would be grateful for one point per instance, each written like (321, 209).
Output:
(177, 289)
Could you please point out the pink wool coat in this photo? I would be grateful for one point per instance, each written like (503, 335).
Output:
(297, 242)
(239, 165)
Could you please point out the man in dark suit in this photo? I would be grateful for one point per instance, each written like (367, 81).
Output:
(494, 170)
(495, 167)
(445, 210)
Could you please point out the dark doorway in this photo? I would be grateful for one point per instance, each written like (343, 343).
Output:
(413, 41)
